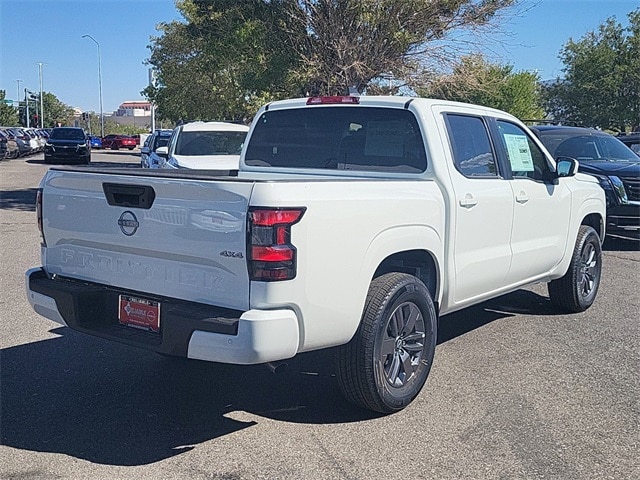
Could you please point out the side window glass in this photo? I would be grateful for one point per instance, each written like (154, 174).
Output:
(472, 152)
(172, 141)
(525, 158)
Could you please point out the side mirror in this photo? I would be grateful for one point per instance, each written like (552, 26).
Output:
(566, 166)
(162, 152)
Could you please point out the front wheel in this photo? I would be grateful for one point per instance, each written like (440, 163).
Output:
(576, 290)
(385, 365)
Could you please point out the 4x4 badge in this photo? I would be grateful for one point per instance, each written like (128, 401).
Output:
(128, 223)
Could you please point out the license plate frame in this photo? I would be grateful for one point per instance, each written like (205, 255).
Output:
(140, 313)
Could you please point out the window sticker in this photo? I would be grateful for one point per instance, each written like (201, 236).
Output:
(519, 152)
(385, 139)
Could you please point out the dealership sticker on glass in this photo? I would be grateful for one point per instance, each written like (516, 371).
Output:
(139, 313)
(519, 153)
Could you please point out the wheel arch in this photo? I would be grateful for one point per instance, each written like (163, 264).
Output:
(595, 221)
(416, 250)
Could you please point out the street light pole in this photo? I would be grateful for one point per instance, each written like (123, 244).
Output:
(18, 93)
(99, 83)
(41, 100)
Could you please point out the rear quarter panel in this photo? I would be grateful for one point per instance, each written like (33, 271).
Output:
(348, 229)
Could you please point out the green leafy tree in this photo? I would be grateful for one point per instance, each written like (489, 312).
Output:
(230, 56)
(474, 80)
(55, 112)
(226, 60)
(601, 85)
(8, 115)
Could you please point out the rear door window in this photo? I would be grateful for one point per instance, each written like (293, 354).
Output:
(338, 138)
(472, 151)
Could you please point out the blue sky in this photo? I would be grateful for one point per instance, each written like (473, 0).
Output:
(50, 32)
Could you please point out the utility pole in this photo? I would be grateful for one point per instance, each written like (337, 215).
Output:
(18, 93)
(41, 100)
(26, 103)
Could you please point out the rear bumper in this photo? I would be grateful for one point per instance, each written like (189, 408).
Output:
(188, 329)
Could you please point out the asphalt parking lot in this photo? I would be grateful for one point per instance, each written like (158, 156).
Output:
(517, 391)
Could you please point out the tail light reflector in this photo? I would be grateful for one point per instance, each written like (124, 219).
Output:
(272, 256)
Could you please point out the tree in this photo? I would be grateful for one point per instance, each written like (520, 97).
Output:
(55, 111)
(233, 55)
(8, 115)
(228, 59)
(474, 80)
(601, 85)
(352, 43)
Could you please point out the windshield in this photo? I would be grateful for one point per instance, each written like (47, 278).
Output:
(586, 148)
(67, 134)
(338, 138)
(210, 143)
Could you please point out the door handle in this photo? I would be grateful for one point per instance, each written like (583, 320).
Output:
(522, 198)
(468, 201)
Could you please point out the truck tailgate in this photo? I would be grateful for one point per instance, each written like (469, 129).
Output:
(183, 238)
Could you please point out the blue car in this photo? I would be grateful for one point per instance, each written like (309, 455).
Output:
(96, 142)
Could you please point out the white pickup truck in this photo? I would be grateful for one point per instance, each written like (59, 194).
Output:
(352, 222)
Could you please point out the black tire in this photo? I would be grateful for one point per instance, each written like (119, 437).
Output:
(576, 291)
(386, 363)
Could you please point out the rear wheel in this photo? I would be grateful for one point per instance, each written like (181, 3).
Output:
(385, 365)
(576, 291)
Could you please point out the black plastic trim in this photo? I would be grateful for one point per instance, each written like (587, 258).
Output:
(92, 308)
(130, 196)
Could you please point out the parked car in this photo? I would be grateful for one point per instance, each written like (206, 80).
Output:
(204, 146)
(605, 157)
(34, 140)
(10, 144)
(22, 139)
(115, 142)
(96, 142)
(68, 144)
(3, 146)
(631, 140)
(148, 156)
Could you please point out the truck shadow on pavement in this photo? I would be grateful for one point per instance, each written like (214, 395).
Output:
(111, 404)
(20, 200)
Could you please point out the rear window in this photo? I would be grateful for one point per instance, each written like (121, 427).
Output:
(338, 138)
(210, 143)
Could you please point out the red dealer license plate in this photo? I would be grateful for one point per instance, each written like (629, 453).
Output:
(139, 313)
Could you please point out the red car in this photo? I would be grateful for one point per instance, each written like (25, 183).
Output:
(114, 142)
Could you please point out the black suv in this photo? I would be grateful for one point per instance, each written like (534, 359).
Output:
(67, 144)
(615, 165)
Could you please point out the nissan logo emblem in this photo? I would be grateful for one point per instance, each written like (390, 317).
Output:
(128, 223)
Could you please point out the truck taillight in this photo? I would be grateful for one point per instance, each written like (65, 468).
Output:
(39, 214)
(272, 256)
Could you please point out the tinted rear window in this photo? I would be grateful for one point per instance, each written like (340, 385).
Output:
(338, 138)
(210, 143)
